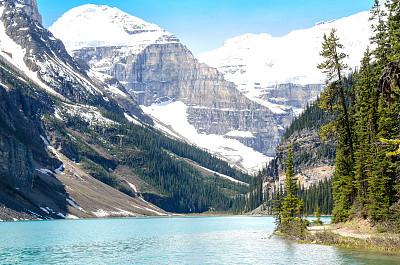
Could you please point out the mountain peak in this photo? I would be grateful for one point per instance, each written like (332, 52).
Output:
(100, 25)
(262, 59)
(30, 7)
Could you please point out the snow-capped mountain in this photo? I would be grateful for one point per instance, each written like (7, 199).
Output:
(33, 50)
(101, 26)
(41, 89)
(259, 63)
(187, 99)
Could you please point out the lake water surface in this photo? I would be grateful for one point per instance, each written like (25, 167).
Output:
(177, 240)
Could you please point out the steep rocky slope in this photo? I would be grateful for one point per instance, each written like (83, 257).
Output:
(157, 69)
(313, 159)
(37, 179)
(74, 143)
(34, 52)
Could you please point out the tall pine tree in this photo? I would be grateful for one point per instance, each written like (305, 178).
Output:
(292, 207)
(336, 97)
(365, 109)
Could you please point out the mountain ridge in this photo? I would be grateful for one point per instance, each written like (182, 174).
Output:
(307, 40)
(167, 72)
(260, 64)
(117, 29)
(72, 146)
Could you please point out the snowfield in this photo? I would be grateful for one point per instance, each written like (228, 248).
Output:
(119, 29)
(15, 54)
(174, 114)
(88, 113)
(258, 61)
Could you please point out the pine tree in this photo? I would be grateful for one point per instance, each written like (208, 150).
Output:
(379, 27)
(365, 109)
(292, 207)
(317, 215)
(385, 186)
(336, 97)
(290, 202)
(393, 29)
(382, 183)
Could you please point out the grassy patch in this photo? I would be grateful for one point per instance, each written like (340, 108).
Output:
(378, 242)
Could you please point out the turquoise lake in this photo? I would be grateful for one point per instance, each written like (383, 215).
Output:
(177, 240)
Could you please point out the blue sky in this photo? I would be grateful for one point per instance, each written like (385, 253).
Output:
(203, 25)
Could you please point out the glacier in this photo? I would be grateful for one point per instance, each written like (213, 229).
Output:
(257, 63)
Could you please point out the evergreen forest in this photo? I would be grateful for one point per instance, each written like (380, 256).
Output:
(364, 120)
(158, 160)
(366, 178)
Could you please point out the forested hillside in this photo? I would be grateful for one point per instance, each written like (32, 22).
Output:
(308, 147)
(156, 159)
(362, 117)
(162, 163)
(366, 180)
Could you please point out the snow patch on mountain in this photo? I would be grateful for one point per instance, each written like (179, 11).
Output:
(224, 176)
(242, 134)
(73, 204)
(94, 26)
(54, 64)
(45, 171)
(257, 61)
(104, 78)
(174, 114)
(131, 119)
(88, 113)
(14, 54)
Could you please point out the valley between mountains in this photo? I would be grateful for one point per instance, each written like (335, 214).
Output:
(105, 114)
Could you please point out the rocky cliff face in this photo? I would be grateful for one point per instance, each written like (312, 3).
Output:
(313, 159)
(20, 144)
(166, 71)
(37, 79)
(31, 9)
(295, 96)
(22, 154)
(161, 72)
(15, 160)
